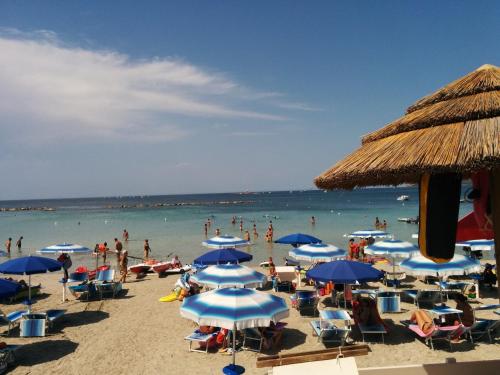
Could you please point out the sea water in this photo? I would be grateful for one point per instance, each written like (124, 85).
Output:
(174, 223)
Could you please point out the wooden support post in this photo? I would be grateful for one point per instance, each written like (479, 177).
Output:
(495, 208)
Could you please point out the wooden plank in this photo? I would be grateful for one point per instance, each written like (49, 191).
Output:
(310, 356)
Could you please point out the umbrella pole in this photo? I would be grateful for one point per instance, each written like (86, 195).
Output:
(440, 288)
(234, 344)
(345, 296)
(394, 273)
(29, 294)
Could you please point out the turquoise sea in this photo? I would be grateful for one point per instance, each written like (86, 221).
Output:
(174, 224)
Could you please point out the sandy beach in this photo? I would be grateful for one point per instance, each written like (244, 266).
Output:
(135, 333)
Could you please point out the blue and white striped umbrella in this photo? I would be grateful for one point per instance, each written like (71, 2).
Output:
(393, 249)
(229, 276)
(234, 308)
(65, 248)
(369, 233)
(231, 308)
(223, 242)
(458, 265)
(318, 252)
(478, 245)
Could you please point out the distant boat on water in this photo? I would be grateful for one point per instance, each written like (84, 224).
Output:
(402, 198)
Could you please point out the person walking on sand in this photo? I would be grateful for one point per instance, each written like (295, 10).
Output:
(377, 223)
(125, 235)
(241, 225)
(246, 237)
(147, 249)
(118, 250)
(123, 266)
(206, 229)
(8, 245)
(19, 243)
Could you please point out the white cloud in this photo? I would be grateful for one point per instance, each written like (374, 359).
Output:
(52, 91)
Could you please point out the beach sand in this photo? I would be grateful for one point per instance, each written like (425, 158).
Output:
(136, 334)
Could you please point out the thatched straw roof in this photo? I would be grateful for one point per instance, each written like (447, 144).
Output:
(457, 129)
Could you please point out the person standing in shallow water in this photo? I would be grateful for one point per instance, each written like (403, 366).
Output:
(123, 266)
(19, 243)
(313, 220)
(8, 245)
(118, 250)
(125, 235)
(147, 249)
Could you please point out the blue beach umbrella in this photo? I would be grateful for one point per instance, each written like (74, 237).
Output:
(29, 265)
(223, 256)
(229, 276)
(344, 272)
(317, 252)
(234, 308)
(458, 265)
(8, 288)
(224, 242)
(478, 245)
(369, 233)
(297, 239)
(65, 248)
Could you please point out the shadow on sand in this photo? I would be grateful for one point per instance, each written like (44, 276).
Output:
(44, 351)
(81, 318)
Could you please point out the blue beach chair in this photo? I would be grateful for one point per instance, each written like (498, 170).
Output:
(11, 319)
(105, 283)
(328, 331)
(52, 316)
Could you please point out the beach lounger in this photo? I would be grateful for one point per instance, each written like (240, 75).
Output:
(388, 302)
(421, 297)
(438, 333)
(394, 278)
(366, 329)
(482, 327)
(285, 276)
(328, 331)
(253, 335)
(11, 319)
(78, 277)
(33, 325)
(202, 339)
(105, 283)
(24, 293)
(52, 316)
(306, 302)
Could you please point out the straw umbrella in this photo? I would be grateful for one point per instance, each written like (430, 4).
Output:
(456, 129)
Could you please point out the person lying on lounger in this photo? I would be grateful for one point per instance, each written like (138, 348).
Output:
(423, 320)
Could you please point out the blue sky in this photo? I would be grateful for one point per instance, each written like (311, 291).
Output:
(102, 98)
